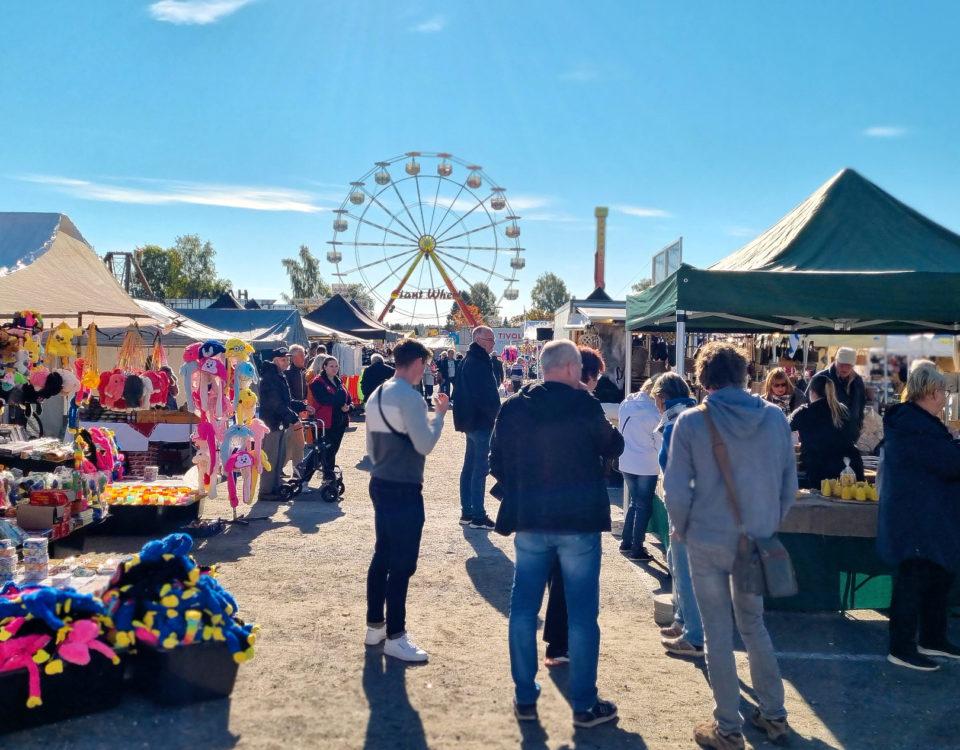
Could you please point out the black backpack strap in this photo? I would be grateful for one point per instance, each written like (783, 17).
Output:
(401, 435)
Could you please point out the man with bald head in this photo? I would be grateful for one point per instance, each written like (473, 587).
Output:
(476, 402)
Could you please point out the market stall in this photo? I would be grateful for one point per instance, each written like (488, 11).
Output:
(828, 267)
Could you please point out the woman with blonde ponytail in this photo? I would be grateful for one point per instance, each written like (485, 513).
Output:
(824, 442)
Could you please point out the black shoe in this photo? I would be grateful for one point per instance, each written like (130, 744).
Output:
(945, 649)
(525, 711)
(639, 554)
(465, 520)
(483, 523)
(624, 546)
(602, 711)
(913, 661)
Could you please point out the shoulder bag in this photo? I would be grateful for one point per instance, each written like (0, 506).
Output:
(762, 566)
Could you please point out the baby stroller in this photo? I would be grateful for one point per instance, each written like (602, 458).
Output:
(331, 490)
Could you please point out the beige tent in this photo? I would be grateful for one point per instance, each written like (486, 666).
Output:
(46, 265)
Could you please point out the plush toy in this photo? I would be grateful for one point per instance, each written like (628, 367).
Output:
(111, 389)
(240, 462)
(188, 371)
(160, 386)
(32, 347)
(207, 457)
(38, 376)
(244, 374)
(246, 407)
(108, 458)
(147, 391)
(132, 391)
(211, 348)
(238, 350)
(60, 342)
(160, 597)
(214, 405)
(259, 429)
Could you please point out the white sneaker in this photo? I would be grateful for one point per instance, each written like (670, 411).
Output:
(404, 649)
(375, 636)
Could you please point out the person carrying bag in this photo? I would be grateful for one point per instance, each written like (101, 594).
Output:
(730, 479)
(762, 565)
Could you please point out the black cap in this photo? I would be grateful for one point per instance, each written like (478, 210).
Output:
(280, 351)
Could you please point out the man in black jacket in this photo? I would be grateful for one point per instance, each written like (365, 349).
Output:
(374, 375)
(850, 390)
(296, 375)
(476, 402)
(279, 412)
(547, 454)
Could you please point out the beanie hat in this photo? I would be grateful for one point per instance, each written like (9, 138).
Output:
(846, 356)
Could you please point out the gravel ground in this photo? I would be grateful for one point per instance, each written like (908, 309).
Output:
(300, 573)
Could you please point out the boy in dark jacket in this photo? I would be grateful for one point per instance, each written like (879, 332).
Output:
(476, 401)
(547, 454)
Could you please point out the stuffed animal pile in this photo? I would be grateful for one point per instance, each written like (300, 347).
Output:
(45, 627)
(161, 598)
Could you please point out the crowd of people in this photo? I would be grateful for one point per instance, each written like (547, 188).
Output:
(547, 447)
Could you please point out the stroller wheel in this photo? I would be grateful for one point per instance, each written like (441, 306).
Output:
(328, 494)
(341, 489)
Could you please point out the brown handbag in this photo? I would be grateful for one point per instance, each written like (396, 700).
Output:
(762, 566)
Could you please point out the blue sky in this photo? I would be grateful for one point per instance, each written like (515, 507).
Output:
(244, 122)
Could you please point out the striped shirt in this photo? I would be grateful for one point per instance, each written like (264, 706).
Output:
(400, 457)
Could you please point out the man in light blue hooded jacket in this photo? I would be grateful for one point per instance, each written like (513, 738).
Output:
(758, 441)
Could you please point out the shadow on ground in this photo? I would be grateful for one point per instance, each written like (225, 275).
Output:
(490, 570)
(393, 721)
(137, 721)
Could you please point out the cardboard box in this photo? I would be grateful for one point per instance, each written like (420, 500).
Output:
(49, 497)
(37, 517)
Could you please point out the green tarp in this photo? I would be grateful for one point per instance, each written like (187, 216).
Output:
(849, 258)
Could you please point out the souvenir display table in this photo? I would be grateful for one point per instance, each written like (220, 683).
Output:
(143, 508)
(832, 545)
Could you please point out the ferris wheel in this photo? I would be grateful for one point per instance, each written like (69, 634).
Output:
(418, 229)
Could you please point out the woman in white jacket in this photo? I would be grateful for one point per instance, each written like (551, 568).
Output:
(639, 418)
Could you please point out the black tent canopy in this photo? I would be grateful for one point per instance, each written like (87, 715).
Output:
(347, 316)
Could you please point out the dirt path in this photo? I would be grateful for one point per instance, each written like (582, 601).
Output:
(301, 574)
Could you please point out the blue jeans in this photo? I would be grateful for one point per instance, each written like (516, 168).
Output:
(473, 476)
(579, 557)
(688, 613)
(712, 567)
(641, 490)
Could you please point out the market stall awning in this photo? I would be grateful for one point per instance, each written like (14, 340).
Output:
(263, 329)
(46, 265)
(849, 258)
(347, 316)
(438, 343)
(317, 330)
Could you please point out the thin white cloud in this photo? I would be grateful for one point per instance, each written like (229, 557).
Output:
(430, 26)
(516, 202)
(173, 192)
(885, 131)
(644, 212)
(580, 74)
(194, 12)
(740, 231)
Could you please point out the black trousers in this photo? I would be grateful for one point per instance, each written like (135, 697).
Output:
(398, 522)
(919, 601)
(555, 621)
(334, 438)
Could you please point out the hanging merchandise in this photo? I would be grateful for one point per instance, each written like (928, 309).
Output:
(236, 457)
(158, 355)
(261, 463)
(59, 348)
(206, 458)
(132, 356)
(237, 352)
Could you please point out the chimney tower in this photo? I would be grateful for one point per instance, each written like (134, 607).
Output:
(601, 212)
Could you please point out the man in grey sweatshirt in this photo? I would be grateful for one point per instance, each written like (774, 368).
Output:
(399, 437)
(758, 442)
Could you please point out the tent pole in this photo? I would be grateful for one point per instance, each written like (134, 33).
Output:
(628, 362)
(681, 343)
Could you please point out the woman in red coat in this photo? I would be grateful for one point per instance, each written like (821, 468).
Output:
(333, 407)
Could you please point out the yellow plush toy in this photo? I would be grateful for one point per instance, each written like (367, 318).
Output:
(60, 342)
(246, 406)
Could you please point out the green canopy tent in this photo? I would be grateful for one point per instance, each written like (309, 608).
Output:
(851, 257)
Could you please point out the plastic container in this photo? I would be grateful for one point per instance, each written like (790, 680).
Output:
(97, 686)
(185, 675)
